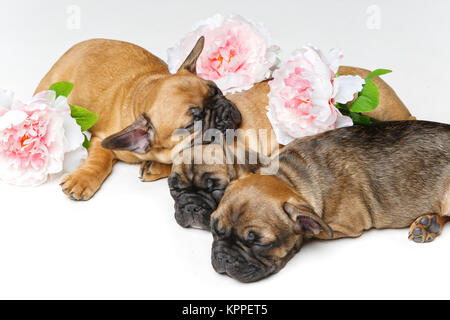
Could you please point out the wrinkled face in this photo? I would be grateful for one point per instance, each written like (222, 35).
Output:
(253, 236)
(256, 230)
(198, 188)
(179, 101)
(184, 99)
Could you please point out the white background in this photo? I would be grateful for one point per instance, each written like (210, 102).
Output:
(125, 242)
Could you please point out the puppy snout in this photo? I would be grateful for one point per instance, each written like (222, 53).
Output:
(226, 261)
(223, 261)
(227, 116)
(192, 209)
(231, 117)
(235, 115)
(235, 265)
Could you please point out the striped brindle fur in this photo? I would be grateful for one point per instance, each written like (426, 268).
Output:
(334, 185)
(197, 188)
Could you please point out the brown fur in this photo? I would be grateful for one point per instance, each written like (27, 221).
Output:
(337, 184)
(120, 82)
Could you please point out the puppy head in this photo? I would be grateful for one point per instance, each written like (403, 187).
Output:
(175, 102)
(198, 181)
(259, 225)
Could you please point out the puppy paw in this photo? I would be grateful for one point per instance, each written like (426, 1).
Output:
(426, 228)
(80, 186)
(152, 171)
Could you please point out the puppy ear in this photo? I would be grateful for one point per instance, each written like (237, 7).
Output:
(190, 63)
(306, 219)
(136, 138)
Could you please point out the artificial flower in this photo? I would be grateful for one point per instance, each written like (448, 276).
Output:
(38, 138)
(304, 92)
(237, 54)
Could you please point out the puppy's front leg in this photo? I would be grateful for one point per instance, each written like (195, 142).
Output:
(426, 228)
(84, 182)
(152, 171)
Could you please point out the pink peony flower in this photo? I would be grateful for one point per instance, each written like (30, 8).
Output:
(237, 54)
(37, 139)
(304, 92)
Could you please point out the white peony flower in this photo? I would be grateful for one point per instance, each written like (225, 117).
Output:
(304, 92)
(37, 139)
(238, 53)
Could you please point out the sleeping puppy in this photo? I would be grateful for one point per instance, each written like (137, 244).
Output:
(197, 189)
(140, 105)
(333, 185)
(197, 185)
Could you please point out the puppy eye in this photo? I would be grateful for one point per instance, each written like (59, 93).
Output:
(209, 184)
(251, 237)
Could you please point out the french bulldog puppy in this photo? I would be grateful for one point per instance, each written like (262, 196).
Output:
(197, 188)
(139, 104)
(333, 185)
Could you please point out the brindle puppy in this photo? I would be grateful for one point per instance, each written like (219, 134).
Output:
(333, 185)
(140, 105)
(197, 189)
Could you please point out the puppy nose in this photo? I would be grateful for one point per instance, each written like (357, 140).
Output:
(192, 209)
(224, 262)
(225, 259)
(216, 230)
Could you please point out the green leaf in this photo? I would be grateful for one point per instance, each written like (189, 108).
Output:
(84, 117)
(337, 75)
(62, 88)
(86, 142)
(368, 99)
(342, 106)
(378, 72)
(360, 119)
